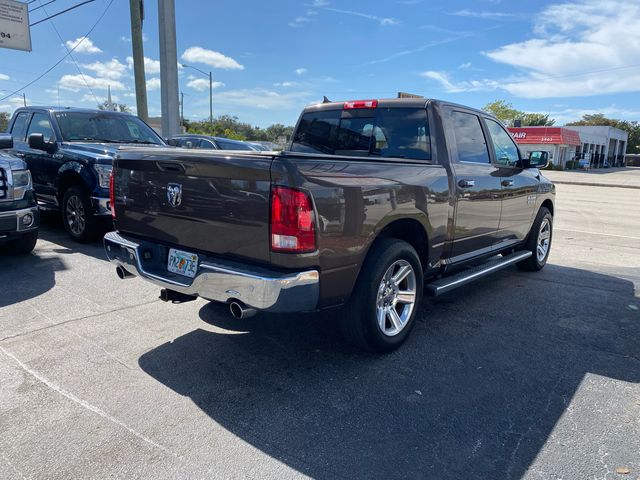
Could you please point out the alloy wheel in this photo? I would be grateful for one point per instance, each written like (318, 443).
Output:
(396, 298)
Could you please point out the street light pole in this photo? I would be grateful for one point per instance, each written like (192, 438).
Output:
(210, 99)
(210, 75)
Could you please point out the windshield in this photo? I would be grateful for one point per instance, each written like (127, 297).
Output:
(105, 128)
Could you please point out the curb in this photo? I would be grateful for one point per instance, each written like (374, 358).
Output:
(590, 184)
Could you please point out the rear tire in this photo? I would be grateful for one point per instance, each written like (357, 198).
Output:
(77, 215)
(538, 242)
(24, 244)
(383, 306)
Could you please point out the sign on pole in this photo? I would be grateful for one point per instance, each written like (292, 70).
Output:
(14, 25)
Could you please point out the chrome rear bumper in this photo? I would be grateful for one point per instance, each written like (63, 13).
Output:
(220, 281)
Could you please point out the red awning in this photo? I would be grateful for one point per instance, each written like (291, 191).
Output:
(550, 135)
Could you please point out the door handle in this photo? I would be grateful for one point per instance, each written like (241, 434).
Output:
(507, 183)
(466, 183)
(19, 154)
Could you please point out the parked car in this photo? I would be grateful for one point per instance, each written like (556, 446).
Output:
(205, 142)
(69, 153)
(19, 216)
(371, 199)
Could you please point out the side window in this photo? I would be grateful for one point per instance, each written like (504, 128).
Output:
(40, 124)
(470, 141)
(19, 126)
(206, 145)
(506, 150)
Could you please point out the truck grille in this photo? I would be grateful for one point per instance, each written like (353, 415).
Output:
(4, 184)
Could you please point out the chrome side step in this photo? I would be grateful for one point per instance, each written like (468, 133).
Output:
(446, 284)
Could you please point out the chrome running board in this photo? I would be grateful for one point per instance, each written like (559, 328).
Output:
(446, 284)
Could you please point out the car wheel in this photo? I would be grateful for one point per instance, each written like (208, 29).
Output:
(77, 215)
(24, 244)
(539, 242)
(383, 306)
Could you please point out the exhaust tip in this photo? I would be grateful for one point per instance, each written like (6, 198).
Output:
(122, 273)
(240, 311)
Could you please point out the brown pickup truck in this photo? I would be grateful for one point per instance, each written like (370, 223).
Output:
(372, 203)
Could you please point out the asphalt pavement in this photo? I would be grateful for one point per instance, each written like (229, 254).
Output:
(520, 375)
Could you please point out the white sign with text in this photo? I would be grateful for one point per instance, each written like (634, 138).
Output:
(14, 25)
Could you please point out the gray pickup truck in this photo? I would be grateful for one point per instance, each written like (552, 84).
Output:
(19, 216)
(373, 203)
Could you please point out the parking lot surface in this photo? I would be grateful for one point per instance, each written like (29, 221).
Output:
(532, 375)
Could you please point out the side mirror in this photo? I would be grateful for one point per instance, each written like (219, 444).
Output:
(539, 159)
(6, 141)
(36, 141)
(172, 142)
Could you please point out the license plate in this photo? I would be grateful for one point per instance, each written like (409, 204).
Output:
(182, 263)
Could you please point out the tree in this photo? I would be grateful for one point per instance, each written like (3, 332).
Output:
(4, 121)
(504, 111)
(631, 127)
(120, 107)
(230, 127)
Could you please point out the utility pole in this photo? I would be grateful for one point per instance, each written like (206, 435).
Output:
(138, 58)
(24, 99)
(168, 67)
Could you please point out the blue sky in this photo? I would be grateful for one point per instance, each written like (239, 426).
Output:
(271, 58)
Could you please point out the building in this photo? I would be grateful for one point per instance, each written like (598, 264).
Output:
(602, 145)
(561, 142)
(592, 146)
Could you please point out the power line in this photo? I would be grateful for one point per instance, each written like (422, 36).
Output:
(64, 56)
(67, 49)
(42, 6)
(60, 13)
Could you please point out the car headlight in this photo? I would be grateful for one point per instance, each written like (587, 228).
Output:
(104, 172)
(21, 183)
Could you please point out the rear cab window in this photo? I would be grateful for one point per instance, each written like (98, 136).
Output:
(374, 132)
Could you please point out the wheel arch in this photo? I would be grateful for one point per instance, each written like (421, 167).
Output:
(72, 174)
(548, 204)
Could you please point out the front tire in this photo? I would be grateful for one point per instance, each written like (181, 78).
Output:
(383, 306)
(24, 244)
(539, 242)
(77, 215)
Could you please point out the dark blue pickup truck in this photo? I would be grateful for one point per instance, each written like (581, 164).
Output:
(69, 152)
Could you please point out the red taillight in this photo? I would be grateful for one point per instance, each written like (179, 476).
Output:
(292, 225)
(112, 197)
(360, 104)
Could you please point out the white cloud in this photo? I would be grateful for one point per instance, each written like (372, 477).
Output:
(153, 84)
(580, 48)
(457, 87)
(464, 66)
(381, 20)
(211, 58)
(484, 14)
(319, 3)
(4, 77)
(86, 46)
(586, 47)
(300, 71)
(112, 69)
(151, 66)
(75, 83)
(286, 84)
(202, 84)
(261, 98)
(299, 21)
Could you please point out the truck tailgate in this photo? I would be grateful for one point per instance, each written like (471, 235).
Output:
(209, 202)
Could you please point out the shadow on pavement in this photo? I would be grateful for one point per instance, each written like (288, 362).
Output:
(23, 277)
(52, 230)
(474, 393)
